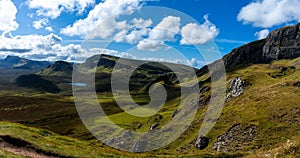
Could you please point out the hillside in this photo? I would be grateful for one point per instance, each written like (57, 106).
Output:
(260, 117)
(59, 68)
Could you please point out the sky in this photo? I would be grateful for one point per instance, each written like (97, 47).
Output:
(191, 32)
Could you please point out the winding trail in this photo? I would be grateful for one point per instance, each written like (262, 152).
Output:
(23, 151)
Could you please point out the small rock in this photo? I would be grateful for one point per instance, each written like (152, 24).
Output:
(201, 142)
(296, 84)
(154, 126)
(175, 113)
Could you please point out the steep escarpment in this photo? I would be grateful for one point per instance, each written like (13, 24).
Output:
(283, 43)
(280, 44)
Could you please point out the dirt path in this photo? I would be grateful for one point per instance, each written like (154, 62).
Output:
(27, 152)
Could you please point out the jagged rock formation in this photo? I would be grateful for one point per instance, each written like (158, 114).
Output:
(236, 88)
(283, 43)
(235, 138)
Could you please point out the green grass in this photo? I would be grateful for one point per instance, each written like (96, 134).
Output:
(49, 142)
(270, 103)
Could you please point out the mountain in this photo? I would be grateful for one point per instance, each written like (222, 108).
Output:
(52, 79)
(14, 62)
(59, 68)
(145, 74)
(145, 71)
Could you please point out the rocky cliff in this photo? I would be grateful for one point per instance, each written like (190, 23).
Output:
(283, 43)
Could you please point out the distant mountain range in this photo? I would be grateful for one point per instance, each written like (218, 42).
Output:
(14, 62)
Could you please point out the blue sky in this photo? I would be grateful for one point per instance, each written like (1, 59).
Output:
(76, 29)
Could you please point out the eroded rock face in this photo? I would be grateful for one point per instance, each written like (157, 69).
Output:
(235, 138)
(236, 88)
(282, 44)
(201, 142)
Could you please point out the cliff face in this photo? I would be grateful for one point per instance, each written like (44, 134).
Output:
(283, 43)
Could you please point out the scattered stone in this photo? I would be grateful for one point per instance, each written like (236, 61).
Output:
(201, 142)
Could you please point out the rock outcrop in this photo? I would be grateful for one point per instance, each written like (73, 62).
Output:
(236, 88)
(283, 43)
(235, 138)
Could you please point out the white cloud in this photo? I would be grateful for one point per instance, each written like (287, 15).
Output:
(268, 13)
(49, 48)
(162, 32)
(49, 28)
(40, 23)
(101, 21)
(190, 62)
(8, 13)
(262, 34)
(135, 31)
(193, 33)
(54, 8)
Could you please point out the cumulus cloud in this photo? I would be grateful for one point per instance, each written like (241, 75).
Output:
(162, 32)
(190, 62)
(54, 8)
(49, 48)
(101, 21)
(262, 34)
(268, 13)
(193, 33)
(42, 23)
(135, 32)
(8, 13)
(49, 28)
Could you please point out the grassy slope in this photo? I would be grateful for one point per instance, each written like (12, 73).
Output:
(269, 103)
(54, 144)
